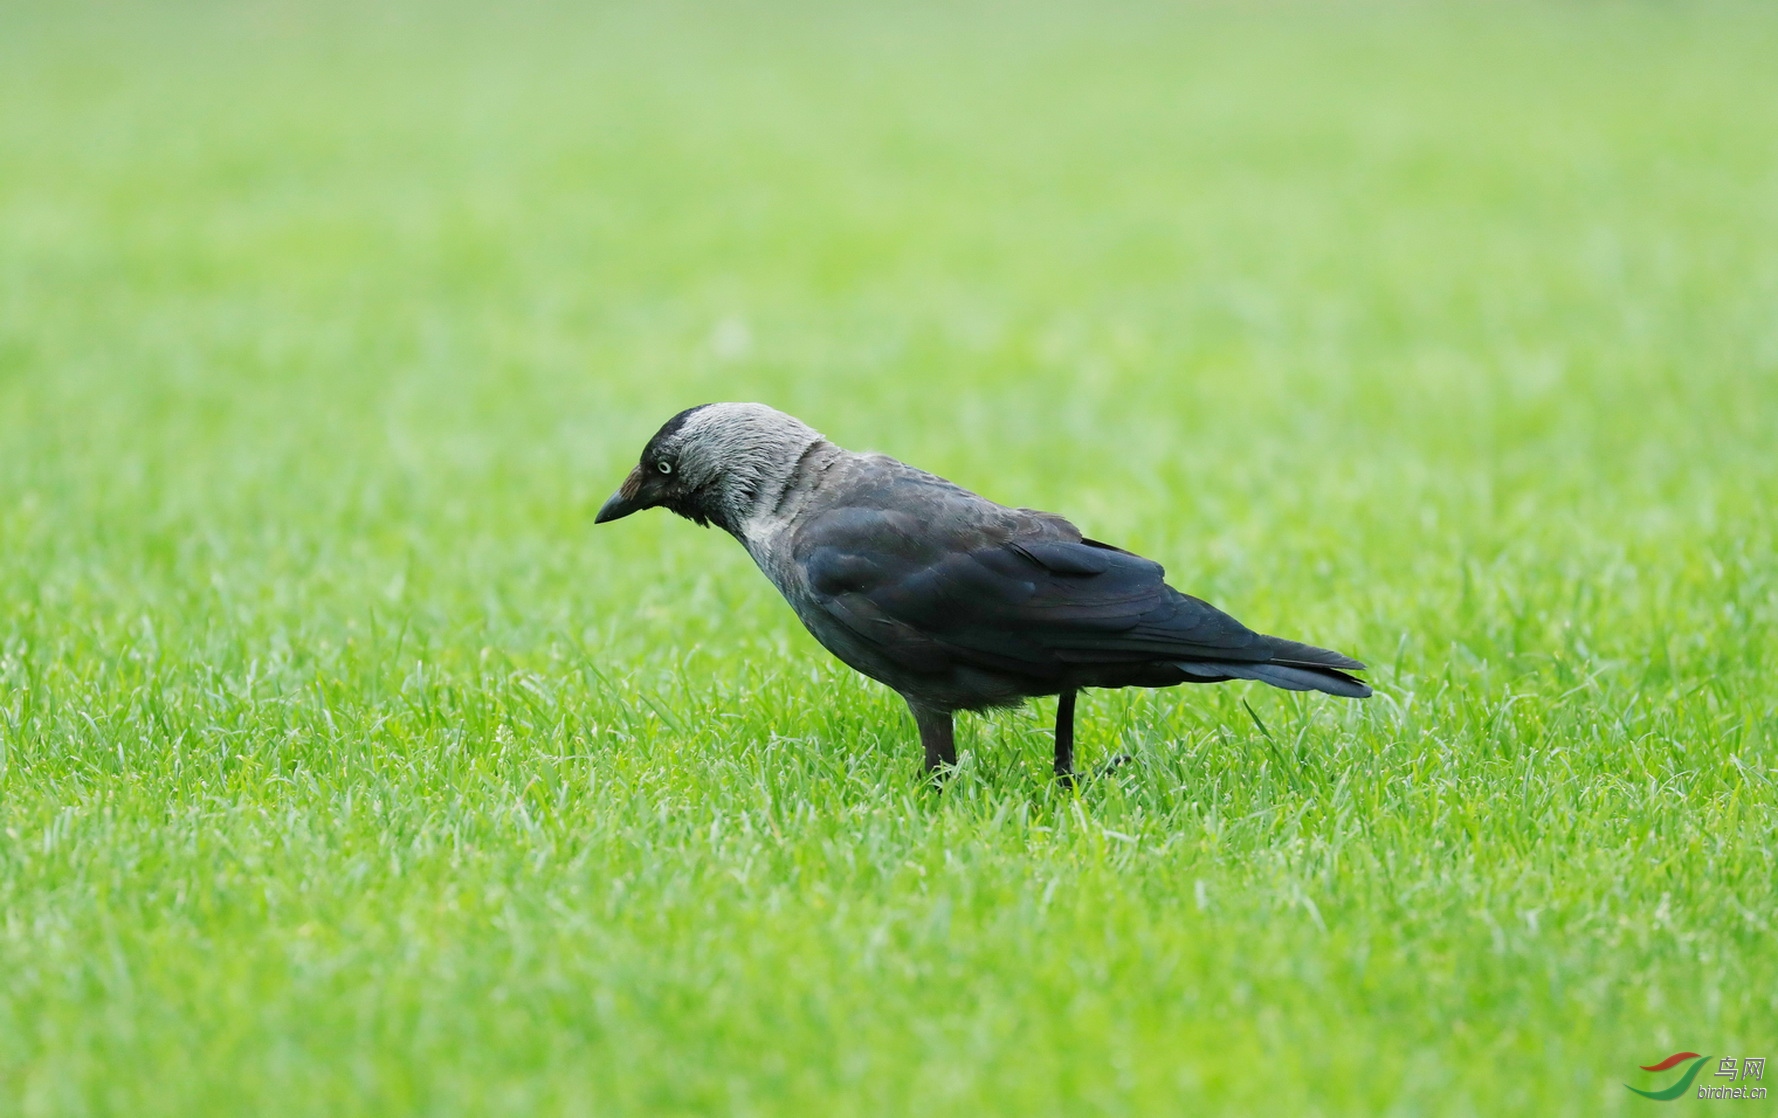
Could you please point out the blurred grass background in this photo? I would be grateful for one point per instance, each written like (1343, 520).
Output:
(345, 769)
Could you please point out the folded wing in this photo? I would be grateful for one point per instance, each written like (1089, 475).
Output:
(1024, 594)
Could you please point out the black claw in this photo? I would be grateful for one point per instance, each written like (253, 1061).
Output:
(1114, 764)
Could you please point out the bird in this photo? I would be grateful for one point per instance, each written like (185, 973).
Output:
(949, 599)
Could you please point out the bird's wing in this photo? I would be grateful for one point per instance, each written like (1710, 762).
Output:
(967, 582)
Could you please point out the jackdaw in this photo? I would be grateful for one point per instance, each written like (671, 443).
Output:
(952, 600)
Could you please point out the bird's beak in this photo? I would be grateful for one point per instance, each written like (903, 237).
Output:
(625, 501)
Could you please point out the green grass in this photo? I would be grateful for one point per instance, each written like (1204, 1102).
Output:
(346, 769)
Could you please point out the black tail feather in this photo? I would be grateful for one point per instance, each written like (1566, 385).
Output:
(1293, 666)
(1300, 655)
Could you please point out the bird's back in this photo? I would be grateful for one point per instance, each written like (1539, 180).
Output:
(944, 594)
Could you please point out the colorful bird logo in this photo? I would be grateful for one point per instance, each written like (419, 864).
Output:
(1685, 1080)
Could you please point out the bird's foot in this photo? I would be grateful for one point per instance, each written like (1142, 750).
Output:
(1068, 778)
(1114, 764)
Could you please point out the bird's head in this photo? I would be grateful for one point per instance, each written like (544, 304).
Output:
(714, 464)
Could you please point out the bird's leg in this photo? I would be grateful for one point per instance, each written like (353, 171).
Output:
(1065, 736)
(937, 735)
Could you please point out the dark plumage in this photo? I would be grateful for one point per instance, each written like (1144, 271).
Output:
(952, 600)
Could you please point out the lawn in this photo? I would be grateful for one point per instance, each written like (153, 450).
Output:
(346, 768)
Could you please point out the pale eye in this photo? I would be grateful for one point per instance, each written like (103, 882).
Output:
(664, 467)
